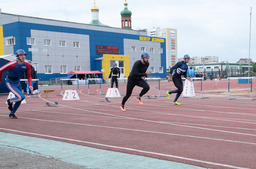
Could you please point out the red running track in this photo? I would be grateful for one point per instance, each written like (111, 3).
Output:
(213, 133)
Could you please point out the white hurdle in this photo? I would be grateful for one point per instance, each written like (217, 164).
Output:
(97, 81)
(125, 80)
(240, 78)
(76, 80)
(159, 86)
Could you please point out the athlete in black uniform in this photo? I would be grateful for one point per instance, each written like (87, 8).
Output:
(136, 79)
(180, 69)
(114, 73)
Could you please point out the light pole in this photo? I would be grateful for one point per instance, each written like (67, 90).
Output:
(250, 29)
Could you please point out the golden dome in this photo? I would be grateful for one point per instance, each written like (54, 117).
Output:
(94, 8)
(125, 3)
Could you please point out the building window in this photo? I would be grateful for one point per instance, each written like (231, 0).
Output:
(152, 69)
(133, 48)
(31, 41)
(76, 44)
(112, 62)
(77, 68)
(143, 49)
(151, 50)
(161, 70)
(62, 43)
(63, 69)
(48, 69)
(121, 63)
(47, 42)
(10, 41)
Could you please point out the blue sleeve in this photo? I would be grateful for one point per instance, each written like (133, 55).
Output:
(175, 67)
(188, 73)
(193, 74)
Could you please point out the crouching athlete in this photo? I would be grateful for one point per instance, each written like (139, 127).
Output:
(16, 69)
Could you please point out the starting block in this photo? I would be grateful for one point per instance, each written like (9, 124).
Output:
(112, 92)
(70, 95)
(151, 97)
(56, 104)
(11, 95)
(46, 92)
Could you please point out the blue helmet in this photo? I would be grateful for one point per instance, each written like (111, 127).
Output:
(20, 52)
(143, 55)
(115, 64)
(186, 56)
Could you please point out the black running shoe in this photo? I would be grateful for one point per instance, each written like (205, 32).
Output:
(9, 105)
(12, 116)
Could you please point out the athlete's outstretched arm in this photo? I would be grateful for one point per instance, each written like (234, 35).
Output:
(28, 72)
(8, 66)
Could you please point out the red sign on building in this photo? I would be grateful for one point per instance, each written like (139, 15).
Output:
(107, 50)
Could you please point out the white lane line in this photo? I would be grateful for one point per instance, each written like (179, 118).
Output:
(169, 123)
(125, 148)
(182, 115)
(144, 131)
(207, 125)
(73, 114)
(90, 111)
(192, 109)
(123, 118)
(163, 122)
(196, 110)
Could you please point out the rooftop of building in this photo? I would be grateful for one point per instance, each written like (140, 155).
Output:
(32, 19)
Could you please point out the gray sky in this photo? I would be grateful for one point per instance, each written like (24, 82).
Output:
(205, 27)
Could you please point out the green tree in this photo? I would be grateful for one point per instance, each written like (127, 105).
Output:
(254, 66)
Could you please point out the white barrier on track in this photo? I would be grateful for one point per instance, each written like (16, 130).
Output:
(25, 80)
(189, 90)
(70, 95)
(201, 87)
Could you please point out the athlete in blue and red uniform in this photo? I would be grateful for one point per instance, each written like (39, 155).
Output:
(16, 69)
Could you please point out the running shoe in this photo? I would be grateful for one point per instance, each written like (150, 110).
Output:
(122, 108)
(12, 116)
(168, 95)
(139, 100)
(176, 103)
(9, 105)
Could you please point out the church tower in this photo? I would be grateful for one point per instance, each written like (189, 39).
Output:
(95, 16)
(126, 17)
